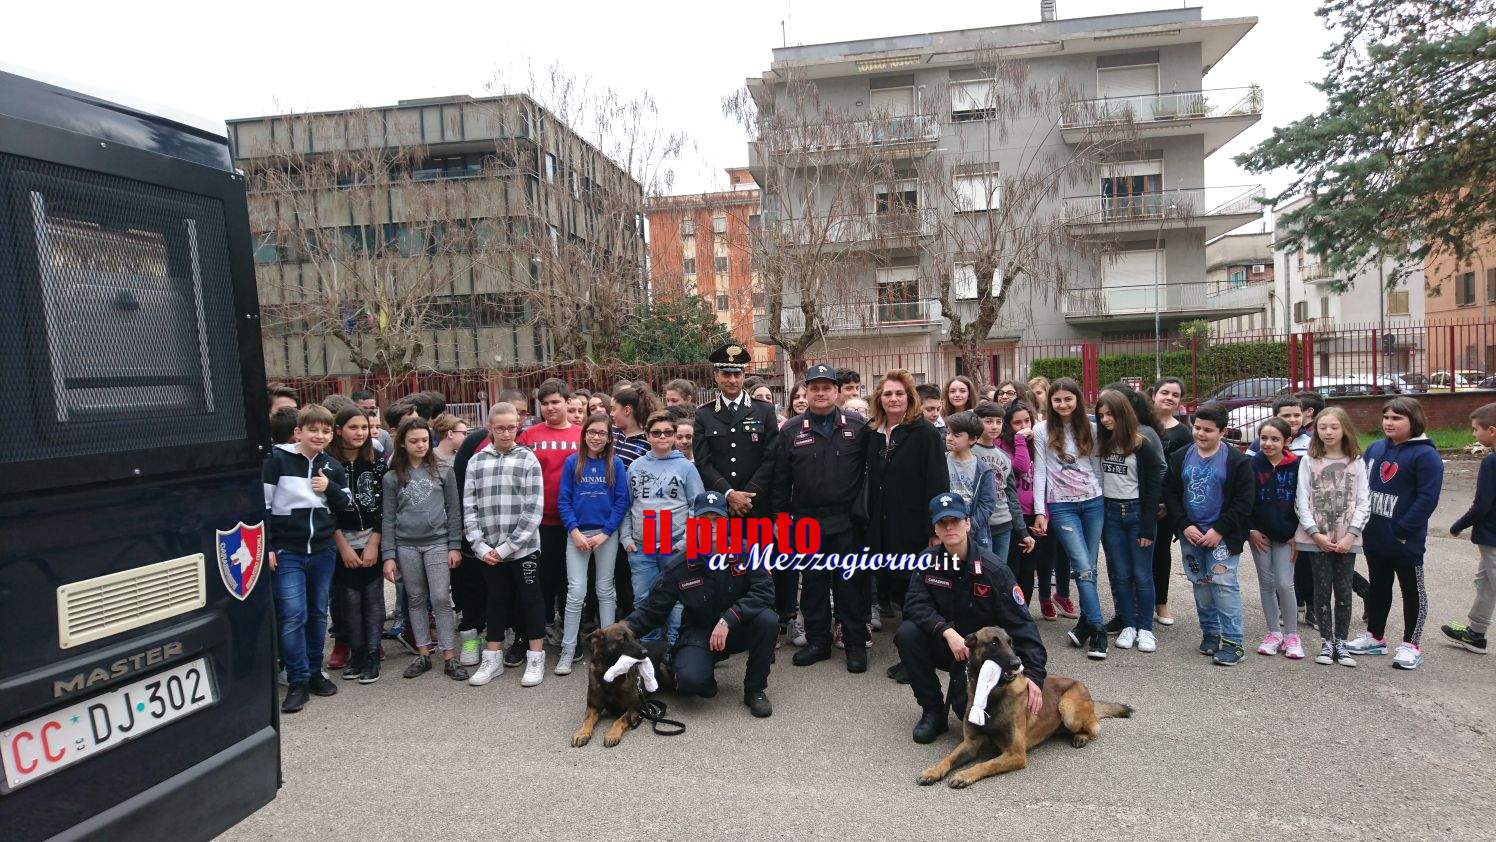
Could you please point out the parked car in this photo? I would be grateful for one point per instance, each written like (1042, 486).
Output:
(1465, 379)
(1247, 392)
(1244, 421)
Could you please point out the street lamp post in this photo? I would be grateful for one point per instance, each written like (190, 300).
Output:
(1158, 245)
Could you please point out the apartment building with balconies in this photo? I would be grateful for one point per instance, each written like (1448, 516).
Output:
(1347, 313)
(923, 100)
(504, 169)
(701, 245)
(1242, 263)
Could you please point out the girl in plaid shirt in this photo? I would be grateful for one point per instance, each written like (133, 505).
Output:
(502, 502)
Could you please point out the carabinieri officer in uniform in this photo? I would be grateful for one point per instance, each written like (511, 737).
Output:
(818, 473)
(962, 590)
(724, 612)
(734, 437)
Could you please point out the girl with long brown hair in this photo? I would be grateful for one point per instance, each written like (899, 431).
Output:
(592, 501)
(1131, 486)
(1067, 489)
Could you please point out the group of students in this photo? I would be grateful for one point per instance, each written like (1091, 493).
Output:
(498, 529)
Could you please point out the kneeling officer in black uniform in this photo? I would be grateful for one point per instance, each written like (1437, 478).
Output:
(724, 612)
(963, 589)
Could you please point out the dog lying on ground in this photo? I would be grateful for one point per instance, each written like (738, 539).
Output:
(622, 696)
(1009, 728)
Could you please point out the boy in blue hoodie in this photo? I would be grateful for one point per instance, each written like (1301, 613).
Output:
(1481, 516)
(1405, 474)
(302, 487)
(662, 480)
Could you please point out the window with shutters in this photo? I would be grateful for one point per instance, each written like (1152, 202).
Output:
(690, 266)
(964, 282)
(719, 225)
(1300, 312)
(978, 192)
(1135, 80)
(896, 197)
(1491, 285)
(1464, 289)
(973, 100)
(721, 302)
(720, 263)
(1397, 303)
(891, 102)
(898, 293)
(687, 226)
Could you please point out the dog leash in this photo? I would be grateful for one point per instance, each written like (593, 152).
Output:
(654, 710)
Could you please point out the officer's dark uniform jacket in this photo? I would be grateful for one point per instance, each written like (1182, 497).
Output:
(736, 595)
(980, 592)
(733, 448)
(819, 476)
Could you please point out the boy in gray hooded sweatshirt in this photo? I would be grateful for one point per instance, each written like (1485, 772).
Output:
(662, 480)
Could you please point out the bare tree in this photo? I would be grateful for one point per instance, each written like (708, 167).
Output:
(1001, 186)
(818, 168)
(583, 245)
(317, 198)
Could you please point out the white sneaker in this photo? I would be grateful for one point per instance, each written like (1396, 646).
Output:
(1146, 641)
(797, 632)
(1408, 657)
(468, 651)
(1365, 644)
(1326, 654)
(563, 663)
(534, 669)
(1127, 637)
(493, 667)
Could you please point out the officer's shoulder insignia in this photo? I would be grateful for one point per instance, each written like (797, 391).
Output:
(1018, 595)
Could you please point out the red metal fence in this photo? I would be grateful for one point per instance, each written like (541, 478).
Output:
(1355, 359)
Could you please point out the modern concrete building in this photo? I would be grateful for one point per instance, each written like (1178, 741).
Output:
(1240, 260)
(701, 245)
(919, 99)
(502, 168)
(1342, 311)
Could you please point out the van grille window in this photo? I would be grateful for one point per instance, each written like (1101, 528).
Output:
(123, 336)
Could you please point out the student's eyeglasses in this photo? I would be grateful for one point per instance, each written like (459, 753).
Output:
(660, 434)
(461, 432)
(1008, 392)
(507, 428)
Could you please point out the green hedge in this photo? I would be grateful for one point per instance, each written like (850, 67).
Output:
(1215, 365)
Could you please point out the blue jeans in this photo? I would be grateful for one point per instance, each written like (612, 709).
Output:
(1002, 538)
(1077, 528)
(302, 583)
(1217, 593)
(643, 571)
(1128, 566)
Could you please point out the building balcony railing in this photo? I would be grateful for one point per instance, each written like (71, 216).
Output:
(1153, 108)
(1182, 204)
(1176, 299)
(831, 137)
(858, 228)
(920, 313)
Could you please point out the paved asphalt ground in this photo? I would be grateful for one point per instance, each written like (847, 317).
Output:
(1271, 749)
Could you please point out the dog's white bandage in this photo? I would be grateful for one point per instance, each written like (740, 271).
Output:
(626, 663)
(986, 680)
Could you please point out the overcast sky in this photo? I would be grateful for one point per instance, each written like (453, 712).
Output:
(218, 61)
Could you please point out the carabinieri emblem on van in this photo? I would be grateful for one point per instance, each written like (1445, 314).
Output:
(241, 555)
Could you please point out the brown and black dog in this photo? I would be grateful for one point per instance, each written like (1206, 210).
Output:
(623, 696)
(1010, 729)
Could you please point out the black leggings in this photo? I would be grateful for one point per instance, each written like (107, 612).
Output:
(1040, 563)
(1303, 579)
(1163, 558)
(469, 593)
(510, 578)
(1379, 598)
(1332, 575)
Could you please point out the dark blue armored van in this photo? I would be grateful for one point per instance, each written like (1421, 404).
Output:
(137, 688)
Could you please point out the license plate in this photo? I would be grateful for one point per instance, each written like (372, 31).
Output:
(35, 749)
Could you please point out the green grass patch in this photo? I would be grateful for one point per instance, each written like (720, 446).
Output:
(1453, 438)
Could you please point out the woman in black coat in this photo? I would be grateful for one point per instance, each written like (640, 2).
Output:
(906, 467)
